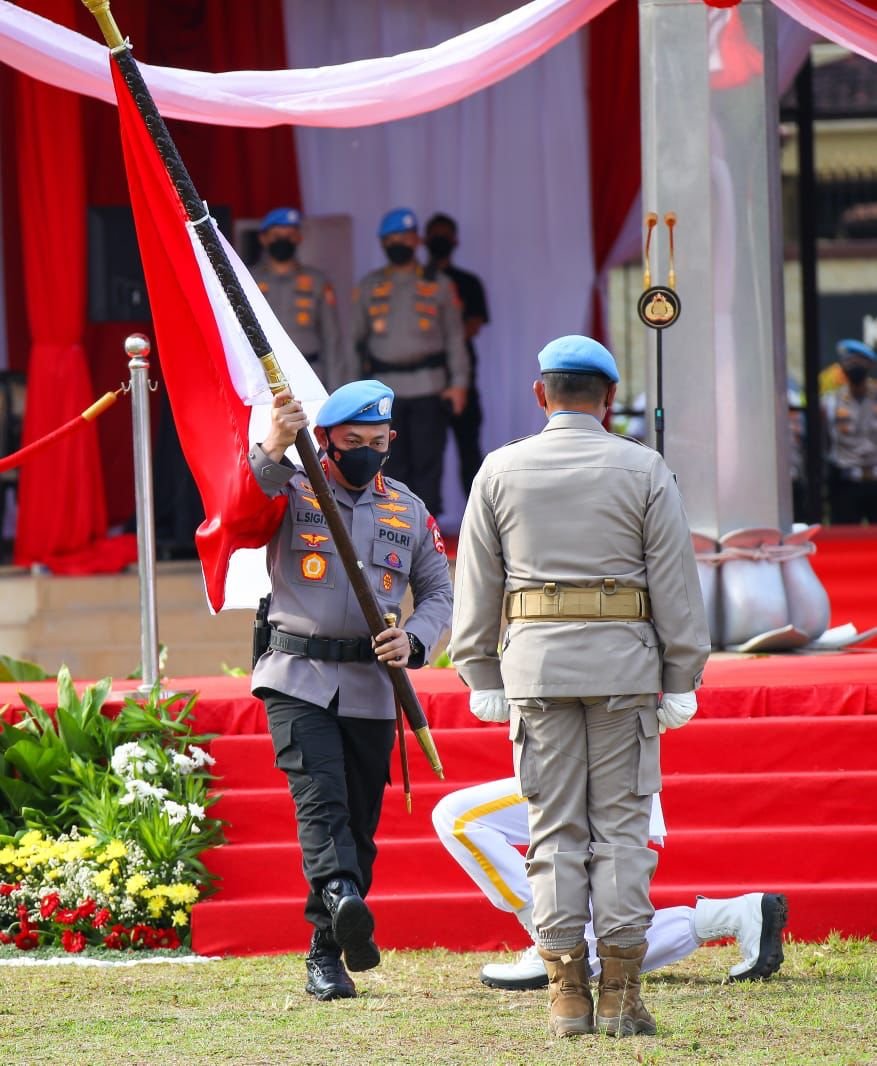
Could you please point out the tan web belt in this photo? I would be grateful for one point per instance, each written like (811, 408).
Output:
(570, 604)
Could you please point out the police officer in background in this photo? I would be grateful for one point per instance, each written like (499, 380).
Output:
(330, 702)
(851, 419)
(579, 538)
(441, 237)
(407, 327)
(300, 296)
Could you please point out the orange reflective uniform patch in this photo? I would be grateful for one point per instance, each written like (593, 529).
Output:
(387, 582)
(304, 283)
(313, 500)
(329, 295)
(395, 522)
(303, 318)
(313, 567)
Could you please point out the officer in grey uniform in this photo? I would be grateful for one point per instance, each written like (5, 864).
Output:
(851, 418)
(408, 327)
(300, 296)
(578, 538)
(330, 704)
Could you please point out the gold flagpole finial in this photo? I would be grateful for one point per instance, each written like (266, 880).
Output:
(651, 222)
(101, 11)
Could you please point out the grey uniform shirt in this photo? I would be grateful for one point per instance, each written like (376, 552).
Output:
(304, 303)
(398, 543)
(402, 317)
(852, 428)
(575, 504)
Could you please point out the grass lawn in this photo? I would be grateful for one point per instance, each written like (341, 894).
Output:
(427, 1007)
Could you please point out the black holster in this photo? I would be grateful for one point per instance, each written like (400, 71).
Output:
(261, 630)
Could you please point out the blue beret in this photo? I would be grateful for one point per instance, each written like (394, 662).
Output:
(577, 355)
(399, 220)
(357, 401)
(281, 216)
(851, 348)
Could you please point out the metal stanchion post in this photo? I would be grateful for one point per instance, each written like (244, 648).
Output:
(137, 347)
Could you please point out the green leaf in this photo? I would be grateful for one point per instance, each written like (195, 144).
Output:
(42, 721)
(21, 670)
(78, 742)
(67, 697)
(38, 763)
(21, 793)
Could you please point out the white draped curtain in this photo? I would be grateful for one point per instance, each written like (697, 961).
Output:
(510, 163)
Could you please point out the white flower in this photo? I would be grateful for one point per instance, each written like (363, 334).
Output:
(183, 763)
(124, 755)
(175, 812)
(138, 789)
(150, 767)
(200, 756)
(196, 811)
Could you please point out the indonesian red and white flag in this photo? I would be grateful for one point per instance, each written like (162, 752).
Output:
(216, 387)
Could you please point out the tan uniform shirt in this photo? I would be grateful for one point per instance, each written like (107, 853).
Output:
(397, 541)
(400, 317)
(574, 505)
(304, 303)
(852, 428)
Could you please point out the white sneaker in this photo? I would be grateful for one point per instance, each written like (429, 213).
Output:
(756, 921)
(525, 973)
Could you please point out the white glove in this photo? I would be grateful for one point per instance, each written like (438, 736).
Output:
(489, 705)
(676, 709)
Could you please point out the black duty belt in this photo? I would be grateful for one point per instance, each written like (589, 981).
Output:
(429, 362)
(340, 650)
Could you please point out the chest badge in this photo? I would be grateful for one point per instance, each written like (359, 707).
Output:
(387, 582)
(313, 567)
(393, 508)
(392, 559)
(312, 540)
(312, 500)
(395, 522)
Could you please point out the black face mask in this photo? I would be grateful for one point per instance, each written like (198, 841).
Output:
(357, 465)
(399, 254)
(856, 374)
(283, 249)
(440, 247)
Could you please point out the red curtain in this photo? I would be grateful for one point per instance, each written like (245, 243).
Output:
(61, 495)
(612, 73)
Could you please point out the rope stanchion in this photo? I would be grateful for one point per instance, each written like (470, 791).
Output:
(9, 462)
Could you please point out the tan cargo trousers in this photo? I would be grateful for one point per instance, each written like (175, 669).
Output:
(588, 768)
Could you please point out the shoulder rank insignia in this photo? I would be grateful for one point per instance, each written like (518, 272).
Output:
(313, 540)
(392, 494)
(380, 484)
(313, 566)
(304, 282)
(395, 522)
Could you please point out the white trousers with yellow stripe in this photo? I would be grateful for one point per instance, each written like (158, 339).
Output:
(484, 826)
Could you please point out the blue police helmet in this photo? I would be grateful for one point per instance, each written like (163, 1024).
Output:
(399, 220)
(850, 348)
(577, 355)
(281, 216)
(357, 401)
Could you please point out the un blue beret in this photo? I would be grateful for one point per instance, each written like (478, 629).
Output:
(399, 220)
(281, 216)
(577, 355)
(357, 401)
(848, 348)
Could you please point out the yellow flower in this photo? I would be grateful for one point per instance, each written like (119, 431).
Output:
(181, 893)
(103, 880)
(180, 918)
(135, 883)
(116, 849)
(156, 905)
(31, 838)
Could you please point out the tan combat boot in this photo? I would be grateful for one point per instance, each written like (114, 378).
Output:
(620, 1011)
(569, 993)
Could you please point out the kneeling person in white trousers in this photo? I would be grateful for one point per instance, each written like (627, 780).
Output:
(481, 827)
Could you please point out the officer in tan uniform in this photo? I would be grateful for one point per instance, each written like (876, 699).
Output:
(408, 328)
(300, 296)
(330, 705)
(579, 540)
(851, 418)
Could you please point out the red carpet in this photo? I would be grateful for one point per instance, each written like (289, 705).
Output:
(773, 787)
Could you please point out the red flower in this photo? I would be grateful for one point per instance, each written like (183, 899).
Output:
(142, 934)
(26, 939)
(72, 942)
(86, 909)
(101, 918)
(22, 918)
(114, 941)
(49, 904)
(165, 938)
(65, 916)
(7, 890)
(4, 939)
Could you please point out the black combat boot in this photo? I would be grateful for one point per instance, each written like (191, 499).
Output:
(352, 924)
(327, 978)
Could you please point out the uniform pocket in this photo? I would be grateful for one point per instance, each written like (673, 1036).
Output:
(648, 774)
(526, 767)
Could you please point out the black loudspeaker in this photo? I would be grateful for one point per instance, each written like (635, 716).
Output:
(116, 287)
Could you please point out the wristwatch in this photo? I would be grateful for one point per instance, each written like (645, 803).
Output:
(417, 653)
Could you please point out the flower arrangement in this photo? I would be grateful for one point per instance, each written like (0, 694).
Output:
(102, 822)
